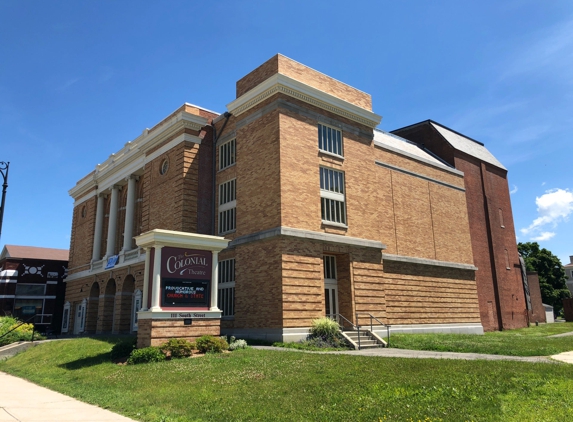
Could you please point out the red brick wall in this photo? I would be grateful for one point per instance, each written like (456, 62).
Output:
(538, 311)
(499, 284)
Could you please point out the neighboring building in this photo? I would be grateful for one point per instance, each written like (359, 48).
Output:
(569, 273)
(499, 279)
(326, 215)
(32, 284)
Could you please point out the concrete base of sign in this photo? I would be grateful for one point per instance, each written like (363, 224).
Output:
(155, 332)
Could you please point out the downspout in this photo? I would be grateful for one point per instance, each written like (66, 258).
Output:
(214, 175)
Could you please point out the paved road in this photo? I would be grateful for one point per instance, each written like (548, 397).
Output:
(23, 401)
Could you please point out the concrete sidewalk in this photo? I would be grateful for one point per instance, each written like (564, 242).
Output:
(23, 401)
(424, 354)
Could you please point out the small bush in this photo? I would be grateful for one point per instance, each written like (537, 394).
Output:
(146, 355)
(123, 349)
(237, 344)
(177, 348)
(211, 344)
(22, 333)
(325, 328)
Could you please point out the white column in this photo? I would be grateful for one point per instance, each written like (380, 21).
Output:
(112, 226)
(215, 282)
(144, 306)
(156, 294)
(129, 211)
(96, 251)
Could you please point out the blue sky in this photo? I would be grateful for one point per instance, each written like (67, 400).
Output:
(80, 79)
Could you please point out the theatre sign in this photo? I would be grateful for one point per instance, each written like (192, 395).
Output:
(185, 278)
(180, 285)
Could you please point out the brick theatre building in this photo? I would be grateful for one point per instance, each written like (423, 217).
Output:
(324, 214)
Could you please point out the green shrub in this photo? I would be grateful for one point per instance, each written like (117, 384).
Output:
(146, 355)
(22, 333)
(324, 328)
(123, 349)
(237, 344)
(177, 348)
(211, 344)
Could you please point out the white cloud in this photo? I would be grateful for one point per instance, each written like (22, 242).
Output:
(548, 50)
(543, 184)
(543, 236)
(67, 84)
(514, 190)
(553, 207)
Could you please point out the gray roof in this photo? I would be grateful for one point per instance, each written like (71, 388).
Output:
(467, 145)
(408, 148)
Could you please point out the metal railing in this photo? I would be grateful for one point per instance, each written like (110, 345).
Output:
(340, 320)
(22, 323)
(372, 318)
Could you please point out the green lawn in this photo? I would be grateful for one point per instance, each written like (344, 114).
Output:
(251, 384)
(533, 341)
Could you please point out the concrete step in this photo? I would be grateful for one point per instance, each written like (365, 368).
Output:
(366, 341)
(13, 349)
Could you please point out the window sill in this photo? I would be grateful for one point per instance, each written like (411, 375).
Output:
(333, 224)
(228, 167)
(225, 233)
(330, 154)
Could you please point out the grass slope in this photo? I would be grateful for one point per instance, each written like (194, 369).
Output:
(250, 384)
(533, 341)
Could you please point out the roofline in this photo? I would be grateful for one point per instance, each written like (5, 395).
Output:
(439, 124)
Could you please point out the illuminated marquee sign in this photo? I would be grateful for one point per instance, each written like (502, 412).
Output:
(185, 277)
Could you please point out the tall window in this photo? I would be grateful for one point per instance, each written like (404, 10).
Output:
(332, 196)
(329, 139)
(227, 154)
(227, 206)
(226, 297)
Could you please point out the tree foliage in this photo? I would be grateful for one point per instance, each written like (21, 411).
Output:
(552, 277)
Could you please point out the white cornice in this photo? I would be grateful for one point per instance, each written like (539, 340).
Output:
(177, 239)
(133, 155)
(279, 83)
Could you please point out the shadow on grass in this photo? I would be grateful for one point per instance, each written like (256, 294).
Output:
(97, 359)
(87, 362)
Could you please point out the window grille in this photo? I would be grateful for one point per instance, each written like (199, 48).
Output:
(227, 206)
(330, 139)
(227, 155)
(332, 196)
(226, 296)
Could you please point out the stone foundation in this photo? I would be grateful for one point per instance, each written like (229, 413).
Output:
(154, 332)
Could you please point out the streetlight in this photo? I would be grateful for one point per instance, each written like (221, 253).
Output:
(4, 172)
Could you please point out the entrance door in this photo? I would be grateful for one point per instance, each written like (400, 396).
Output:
(330, 286)
(80, 319)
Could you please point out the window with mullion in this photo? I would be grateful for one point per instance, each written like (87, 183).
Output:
(227, 206)
(332, 202)
(330, 139)
(227, 156)
(226, 296)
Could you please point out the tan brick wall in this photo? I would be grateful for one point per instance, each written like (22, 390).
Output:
(369, 285)
(302, 282)
(418, 294)
(258, 175)
(258, 291)
(304, 74)
(170, 200)
(412, 216)
(81, 239)
(77, 290)
(158, 331)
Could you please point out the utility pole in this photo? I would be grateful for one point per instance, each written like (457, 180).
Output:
(4, 172)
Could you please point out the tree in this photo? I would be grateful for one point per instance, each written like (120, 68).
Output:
(552, 277)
